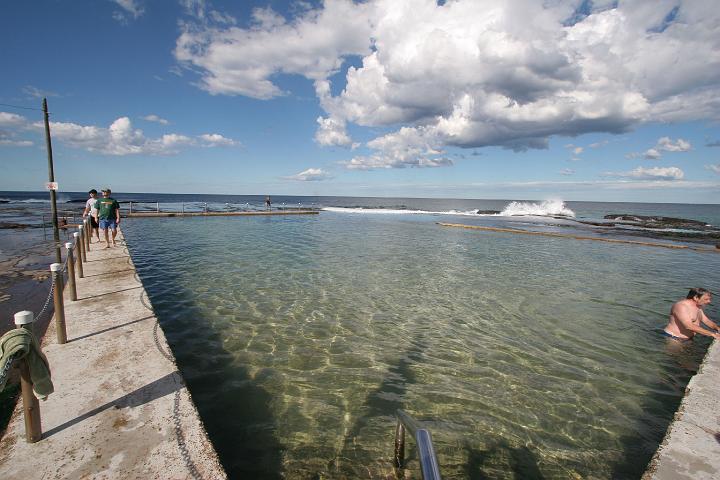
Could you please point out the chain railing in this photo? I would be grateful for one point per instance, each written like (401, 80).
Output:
(31, 408)
(26, 319)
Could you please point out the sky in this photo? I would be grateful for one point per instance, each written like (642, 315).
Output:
(511, 99)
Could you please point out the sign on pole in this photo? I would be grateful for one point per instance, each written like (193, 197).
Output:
(51, 186)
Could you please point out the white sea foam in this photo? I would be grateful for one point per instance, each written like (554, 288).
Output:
(30, 200)
(545, 208)
(390, 211)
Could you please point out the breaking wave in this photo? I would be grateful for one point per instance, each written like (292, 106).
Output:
(27, 200)
(396, 211)
(547, 208)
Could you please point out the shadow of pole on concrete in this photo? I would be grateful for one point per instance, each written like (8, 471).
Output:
(109, 329)
(109, 293)
(110, 273)
(105, 259)
(159, 388)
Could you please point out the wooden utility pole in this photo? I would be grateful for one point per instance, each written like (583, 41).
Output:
(51, 173)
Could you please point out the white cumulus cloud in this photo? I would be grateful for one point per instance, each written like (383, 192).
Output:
(241, 61)
(11, 119)
(310, 175)
(9, 139)
(154, 118)
(509, 73)
(217, 140)
(654, 173)
(119, 138)
(652, 154)
(664, 144)
(130, 8)
(680, 145)
(332, 132)
(406, 148)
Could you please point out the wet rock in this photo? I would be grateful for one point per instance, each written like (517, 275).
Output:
(11, 225)
(657, 222)
(488, 212)
(597, 224)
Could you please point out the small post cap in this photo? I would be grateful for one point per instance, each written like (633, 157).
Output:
(76, 234)
(24, 317)
(80, 227)
(55, 267)
(69, 245)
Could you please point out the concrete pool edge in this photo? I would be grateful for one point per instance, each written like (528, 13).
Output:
(121, 408)
(691, 446)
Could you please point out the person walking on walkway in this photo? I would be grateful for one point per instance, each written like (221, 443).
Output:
(108, 215)
(92, 211)
(687, 317)
(268, 203)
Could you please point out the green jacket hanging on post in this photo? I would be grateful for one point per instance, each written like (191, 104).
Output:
(23, 344)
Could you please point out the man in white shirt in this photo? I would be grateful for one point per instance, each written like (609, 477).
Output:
(92, 210)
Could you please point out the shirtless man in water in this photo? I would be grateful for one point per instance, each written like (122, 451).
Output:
(687, 317)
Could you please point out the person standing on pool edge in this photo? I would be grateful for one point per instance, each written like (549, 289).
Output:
(91, 211)
(687, 317)
(108, 215)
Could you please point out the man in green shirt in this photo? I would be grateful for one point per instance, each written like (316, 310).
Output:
(108, 215)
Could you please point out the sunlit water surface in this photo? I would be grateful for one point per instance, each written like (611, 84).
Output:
(527, 357)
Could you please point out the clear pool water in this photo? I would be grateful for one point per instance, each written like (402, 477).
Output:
(527, 357)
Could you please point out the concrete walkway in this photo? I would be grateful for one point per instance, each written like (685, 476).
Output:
(120, 409)
(691, 448)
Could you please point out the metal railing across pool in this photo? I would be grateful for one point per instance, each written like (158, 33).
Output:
(426, 452)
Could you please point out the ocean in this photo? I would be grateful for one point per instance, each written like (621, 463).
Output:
(525, 356)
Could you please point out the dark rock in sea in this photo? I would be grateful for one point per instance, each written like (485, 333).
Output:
(11, 225)
(657, 222)
(488, 212)
(596, 224)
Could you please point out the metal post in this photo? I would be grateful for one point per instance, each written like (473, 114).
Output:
(183, 208)
(51, 177)
(131, 208)
(81, 231)
(56, 270)
(157, 205)
(71, 270)
(88, 236)
(81, 246)
(31, 406)
(399, 445)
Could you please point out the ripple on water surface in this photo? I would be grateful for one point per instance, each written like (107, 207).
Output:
(528, 357)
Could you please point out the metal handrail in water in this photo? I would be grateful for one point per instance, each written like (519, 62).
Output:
(426, 453)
